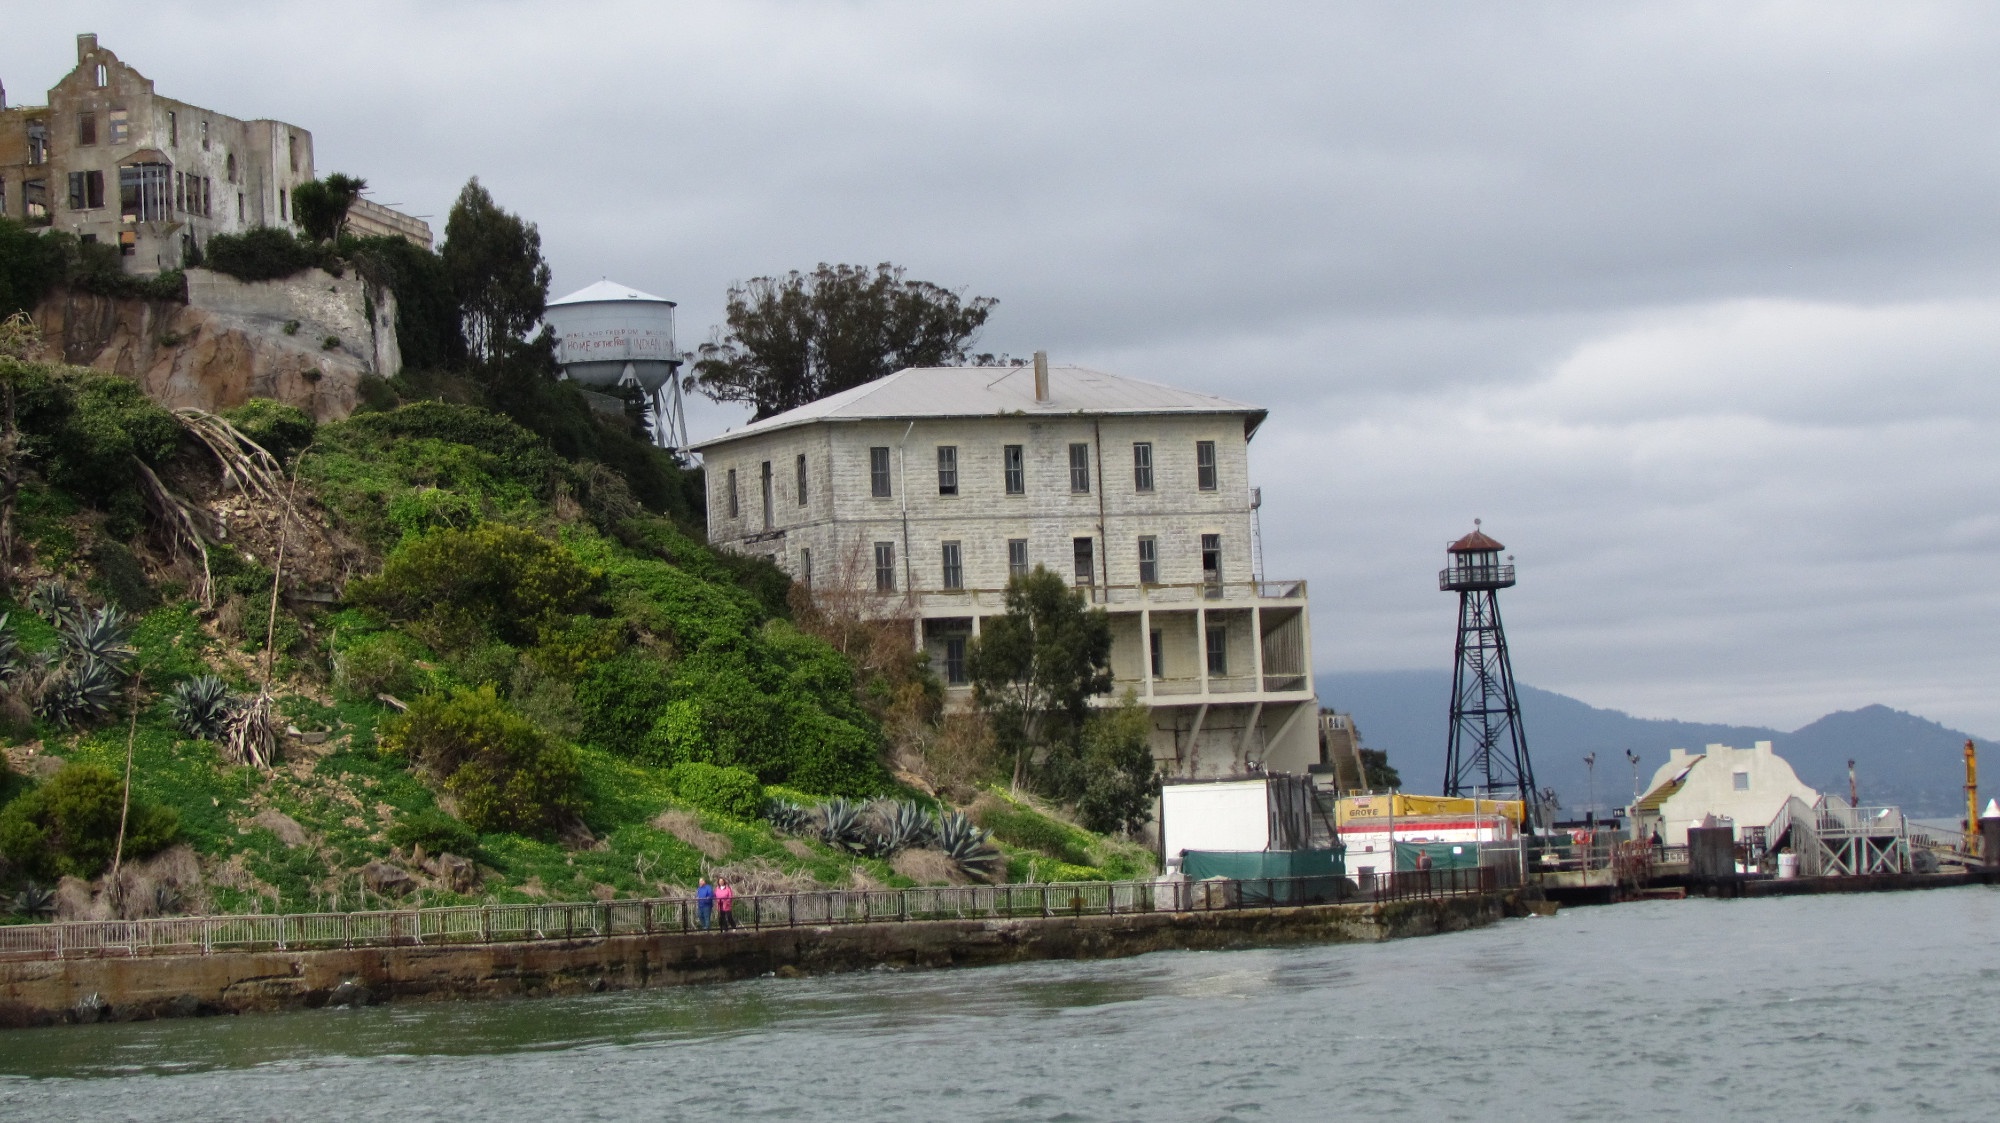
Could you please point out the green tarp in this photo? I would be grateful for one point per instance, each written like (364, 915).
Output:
(1274, 876)
(1444, 855)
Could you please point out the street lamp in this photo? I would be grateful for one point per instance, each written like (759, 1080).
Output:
(1590, 771)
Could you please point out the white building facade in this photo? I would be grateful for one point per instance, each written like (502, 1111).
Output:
(1746, 787)
(932, 487)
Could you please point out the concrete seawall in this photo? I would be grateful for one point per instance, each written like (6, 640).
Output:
(46, 992)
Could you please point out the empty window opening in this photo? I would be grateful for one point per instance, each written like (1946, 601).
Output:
(35, 199)
(1017, 558)
(204, 136)
(954, 566)
(283, 210)
(885, 567)
(1218, 651)
(1741, 780)
(1204, 465)
(1084, 553)
(954, 660)
(800, 467)
(128, 243)
(765, 485)
(1149, 560)
(806, 569)
(239, 206)
(878, 471)
(1079, 468)
(1014, 462)
(145, 192)
(173, 128)
(86, 190)
(1211, 558)
(86, 128)
(38, 142)
(734, 507)
(1156, 647)
(292, 150)
(121, 126)
(1142, 466)
(947, 469)
(229, 168)
(101, 76)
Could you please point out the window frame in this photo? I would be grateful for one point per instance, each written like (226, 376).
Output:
(1083, 560)
(1216, 648)
(729, 489)
(885, 567)
(951, 566)
(1014, 469)
(806, 567)
(1079, 467)
(954, 659)
(1149, 559)
(1206, 475)
(1156, 652)
(803, 492)
(768, 491)
(947, 467)
(1142, 466)
(881, 477)
(1211, 546)
(1017, 558)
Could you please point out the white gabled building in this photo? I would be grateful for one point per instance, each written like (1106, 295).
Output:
(934, 485)
(1747, 787)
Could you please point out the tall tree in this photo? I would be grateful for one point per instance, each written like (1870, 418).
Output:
(494, 262)
(1114, 781)
(320, 206)
(800, 337)
(1034, 670)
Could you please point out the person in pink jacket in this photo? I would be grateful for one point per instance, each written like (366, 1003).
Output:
(725, 902)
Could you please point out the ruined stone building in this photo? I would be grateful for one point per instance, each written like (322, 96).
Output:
(110, 160)
(931, 488)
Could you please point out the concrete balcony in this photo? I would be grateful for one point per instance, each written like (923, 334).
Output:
(1122, 598)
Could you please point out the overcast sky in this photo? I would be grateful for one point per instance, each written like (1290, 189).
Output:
(1697, 305)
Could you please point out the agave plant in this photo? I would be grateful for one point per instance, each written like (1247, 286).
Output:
(34, 901)
(965, 844)
(167, 899)
(10, 648)
(840, 825)
(202, 707)
(788, 817)
(78, 693)
(53, 601)
(102, 637)
(906, 825)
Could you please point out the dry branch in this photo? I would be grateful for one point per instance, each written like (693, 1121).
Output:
(182, 523)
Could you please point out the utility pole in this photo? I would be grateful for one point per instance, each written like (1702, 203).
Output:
(1590, 770)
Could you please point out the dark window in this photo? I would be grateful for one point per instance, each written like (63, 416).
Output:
(1085, 554)
(947, 469)
(204, 136)
(239, 206)
(1079, 468)
(765, 484)
(954, 566)
(293, 148)
(229, 169)
(1142, 466)
(1218, 651)
(1016, 465)
(86, 128)
(735, 508)
(806, 568)
(1204, 465)
(173, 128)
(802, 479)
(878, 471)
(284, 212)
(35, 198)
(145, 193)
(1149, 560)
(954, 660)
(1157, 646)
(86, 190)
(885, 567)
(1017, 557)
(1211, 558)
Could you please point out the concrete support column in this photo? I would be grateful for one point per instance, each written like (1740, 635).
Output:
(1257, 644)
(1201, 645)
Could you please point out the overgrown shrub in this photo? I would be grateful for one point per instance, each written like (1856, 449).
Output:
(376, 664)
(435, 831)
(69, 825)
(505, 773)
(263, 253)
(84, 428)
(492, 580)
(724, 791)
(283, 430)
(1031, 830)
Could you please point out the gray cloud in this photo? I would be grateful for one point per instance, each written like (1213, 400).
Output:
(1693, 303)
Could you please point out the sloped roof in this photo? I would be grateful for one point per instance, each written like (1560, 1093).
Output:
(1653, 800)
(1473, 543)
(915, 393)
(607, 290)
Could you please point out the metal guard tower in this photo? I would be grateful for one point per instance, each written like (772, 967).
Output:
(1487, 752)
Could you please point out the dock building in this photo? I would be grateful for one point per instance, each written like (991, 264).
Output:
(932, 487)
(1745, 788)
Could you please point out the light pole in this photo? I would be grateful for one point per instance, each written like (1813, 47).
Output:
(1630, 809)
(1590, 771)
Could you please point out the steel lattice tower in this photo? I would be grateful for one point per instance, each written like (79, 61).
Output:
(1487, 753)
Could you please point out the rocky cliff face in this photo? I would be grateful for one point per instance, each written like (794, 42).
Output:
(306, 341)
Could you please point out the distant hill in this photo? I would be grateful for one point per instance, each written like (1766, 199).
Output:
(1900, 758)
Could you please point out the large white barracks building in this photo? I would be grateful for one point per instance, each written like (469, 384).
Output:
(933, 486)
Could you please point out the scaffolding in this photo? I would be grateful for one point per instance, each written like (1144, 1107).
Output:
(1833, 839)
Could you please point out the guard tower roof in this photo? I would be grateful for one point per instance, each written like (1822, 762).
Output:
(1475, 543)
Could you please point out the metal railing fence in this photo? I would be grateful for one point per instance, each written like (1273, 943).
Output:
(508, 923)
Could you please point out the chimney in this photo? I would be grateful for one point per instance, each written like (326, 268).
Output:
(85, 44)
(1041, 376)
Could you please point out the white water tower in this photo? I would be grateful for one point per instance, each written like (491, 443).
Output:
(611, 335)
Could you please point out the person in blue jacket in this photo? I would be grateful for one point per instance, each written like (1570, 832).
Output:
(704, 902)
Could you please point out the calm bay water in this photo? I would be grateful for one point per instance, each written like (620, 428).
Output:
(1884, 1006)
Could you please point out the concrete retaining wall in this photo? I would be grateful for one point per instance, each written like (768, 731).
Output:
(45, 992)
